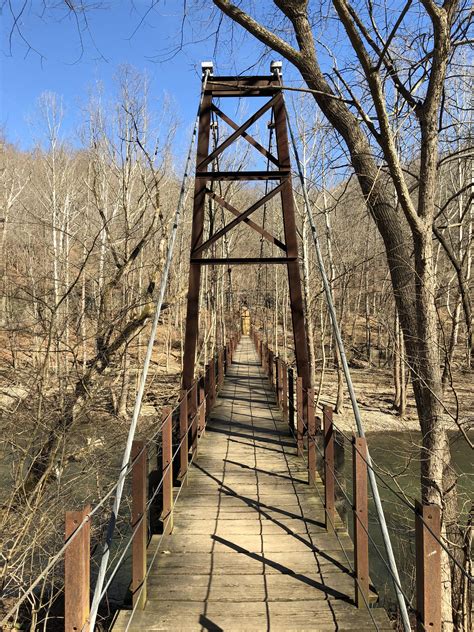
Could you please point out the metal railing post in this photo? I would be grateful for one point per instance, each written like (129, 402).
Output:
(284, 394)
(291, 399)
(202, 410)
(311, 438)
(277, 381)
(167, 470)
(220, 368)
(183, 437)
(299, 415)
(361, 521)
(329, 482)
(428, 567)
(194, 417)
(139, 500)
(77, 572)
(212, 382)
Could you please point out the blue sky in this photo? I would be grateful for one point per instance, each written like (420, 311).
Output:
(59, 63)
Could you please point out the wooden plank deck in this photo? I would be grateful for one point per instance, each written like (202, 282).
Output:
(249, 550)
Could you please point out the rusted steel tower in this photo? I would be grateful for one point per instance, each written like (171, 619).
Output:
(280, 172)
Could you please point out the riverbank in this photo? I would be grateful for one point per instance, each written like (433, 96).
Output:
(374, 391)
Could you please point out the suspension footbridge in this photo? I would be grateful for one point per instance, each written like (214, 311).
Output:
(245, 483)
(249, 548)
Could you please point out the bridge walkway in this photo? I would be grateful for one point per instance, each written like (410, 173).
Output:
(249, 550)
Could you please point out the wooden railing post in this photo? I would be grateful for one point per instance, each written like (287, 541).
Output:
(299, 415)
(139, 500)
(428, 567)
(329, 481)
(167, 470)
(311, 438)
(183, 437)
(77, 572)
(291, 399)
(361, 521)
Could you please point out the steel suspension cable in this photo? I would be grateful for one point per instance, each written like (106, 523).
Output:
(141, 388)
(350, 386)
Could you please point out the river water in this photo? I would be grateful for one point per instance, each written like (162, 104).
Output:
(397, 454)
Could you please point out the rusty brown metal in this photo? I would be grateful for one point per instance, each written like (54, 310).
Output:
(240, 218)
(277, 380)
(361, 521)
(236, 134)
(139, 522)
(183, 436)
(220, 369)
(212, 381)
(194, 419)
(77, 572)
(203, 407)
(291, 399)
(311, 438)
(217, 87)
(268, 236)
(245, 135)
(299, 415)
(428, 567)
(167, 470)
(329, 480)
(284, 395)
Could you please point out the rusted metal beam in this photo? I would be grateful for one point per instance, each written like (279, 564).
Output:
(361, 521)
(268, 236)
(183, 437)
(194, 418)
(428, 567)
(284, 395)
(291, 399)
(220, 233)
(246, 135)
(300, 416)
(220, 368)
(139, 522)
(192, 310)
(329, 480)
(243, 175)
(311, 438)
(77, 572)
(241, 261)
(238, 132)
(202, 408)
(167, 470)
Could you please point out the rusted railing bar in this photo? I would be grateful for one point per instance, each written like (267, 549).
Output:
(361, 521)
(77, 572)
(139, 522)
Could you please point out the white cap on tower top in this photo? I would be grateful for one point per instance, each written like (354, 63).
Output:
(207, 65)
(276, 67)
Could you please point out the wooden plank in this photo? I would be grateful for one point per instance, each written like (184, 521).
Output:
(250, 533)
